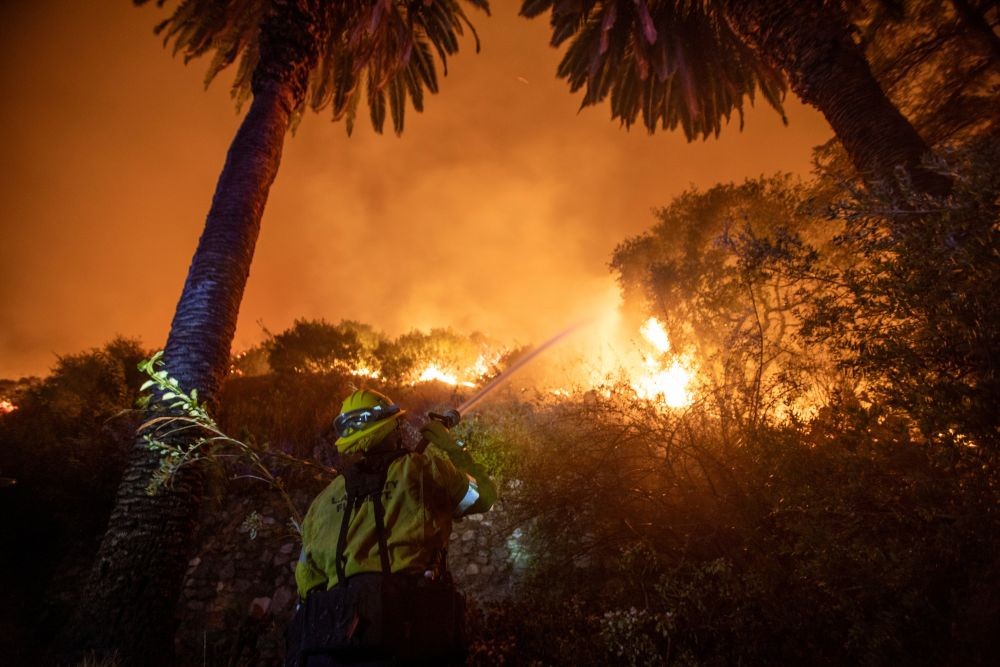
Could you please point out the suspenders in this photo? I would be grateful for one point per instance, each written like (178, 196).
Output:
(365, 480)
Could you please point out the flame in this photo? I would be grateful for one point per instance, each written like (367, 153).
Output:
(667, 384)
(655, 374)
(6, 407)
(654, 332)
(470, 376)
(434, 373)
(482, 366)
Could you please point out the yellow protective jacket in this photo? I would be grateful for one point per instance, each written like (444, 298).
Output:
(421, 496)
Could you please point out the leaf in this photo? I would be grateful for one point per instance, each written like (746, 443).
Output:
(532, 8)
(345, 82)
(415, 89)
(610, 14)
(424, 63)
(397, 103)
(376, 104)
(352, 111)
(648, 29)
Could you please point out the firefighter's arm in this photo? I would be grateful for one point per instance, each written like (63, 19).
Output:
(481, 492)
(307, 574)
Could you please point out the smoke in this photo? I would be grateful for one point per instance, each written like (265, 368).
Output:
(497, 210)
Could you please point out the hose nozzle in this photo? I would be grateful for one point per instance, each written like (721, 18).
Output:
(450, 418)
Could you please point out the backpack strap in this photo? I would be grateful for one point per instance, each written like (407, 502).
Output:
(363, 480)
(339, 560)
(383, 545)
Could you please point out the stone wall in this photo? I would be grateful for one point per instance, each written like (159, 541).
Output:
(479, 558)
(239, 591)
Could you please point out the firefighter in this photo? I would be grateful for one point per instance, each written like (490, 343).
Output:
(372, 575)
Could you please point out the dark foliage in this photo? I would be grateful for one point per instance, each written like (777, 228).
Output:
(865, 529)
(652, 538)
(400, 358)
(66, 447)
(382, 52)
(916, 314)
(788, 292)
(316, 346)
(862, 531)
(937, 61)
(701, 270)
(353, 348)
(669, 63)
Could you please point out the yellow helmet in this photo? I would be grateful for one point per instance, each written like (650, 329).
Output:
(365, 419)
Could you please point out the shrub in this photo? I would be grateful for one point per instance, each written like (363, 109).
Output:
(658, 536)
(917, 313)
(66, 445)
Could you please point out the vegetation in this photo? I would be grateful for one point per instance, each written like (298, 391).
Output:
(936, 61)
(316, 346)
(659, 538)
(697, 270)
(914, 314)
(291, 53)
(738, 530)
(692, 64)
(831, 496)
(66, 445)
(670, 64)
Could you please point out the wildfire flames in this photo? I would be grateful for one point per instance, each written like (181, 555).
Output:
(654, 332)
(6, 407)
(660, 377)
(465, 377)
(432, 373)
(437, 371)
(669, 384)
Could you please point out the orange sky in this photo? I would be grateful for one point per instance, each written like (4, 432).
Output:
(496, 210)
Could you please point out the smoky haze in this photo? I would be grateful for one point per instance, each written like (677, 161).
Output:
(497, 210)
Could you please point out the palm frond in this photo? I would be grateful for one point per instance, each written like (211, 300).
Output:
(376, 102)
(672, 62)
(387, 44)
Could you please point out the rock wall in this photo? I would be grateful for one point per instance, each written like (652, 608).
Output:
(239, 591)
(479, 557)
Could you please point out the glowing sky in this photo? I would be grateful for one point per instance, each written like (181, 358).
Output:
(496, 210)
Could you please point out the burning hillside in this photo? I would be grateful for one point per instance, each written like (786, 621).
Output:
(585, 357)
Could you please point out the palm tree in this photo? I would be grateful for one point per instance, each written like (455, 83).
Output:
(292, 53)
(692, 64)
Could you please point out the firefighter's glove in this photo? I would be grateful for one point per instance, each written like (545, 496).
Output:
(438, 435)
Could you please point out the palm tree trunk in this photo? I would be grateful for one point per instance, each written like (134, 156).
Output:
(811, 43)
(130, 598)
(129, 602)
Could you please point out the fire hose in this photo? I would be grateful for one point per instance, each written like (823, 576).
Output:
(451, 417)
